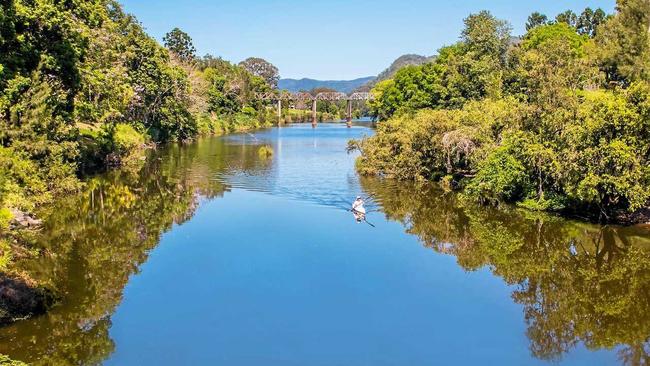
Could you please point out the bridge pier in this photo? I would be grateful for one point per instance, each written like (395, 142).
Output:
(349, 113)
(278, 97)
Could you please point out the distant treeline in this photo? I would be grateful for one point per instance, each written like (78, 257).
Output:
(558, 119)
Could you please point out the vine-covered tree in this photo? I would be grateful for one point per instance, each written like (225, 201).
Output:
(180, 43)
(262, 68)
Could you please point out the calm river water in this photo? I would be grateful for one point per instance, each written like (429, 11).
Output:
(214, 254)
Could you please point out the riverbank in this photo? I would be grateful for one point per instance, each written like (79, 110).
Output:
(67, 116)
(21, 295)
(555, 120)
(422, 147)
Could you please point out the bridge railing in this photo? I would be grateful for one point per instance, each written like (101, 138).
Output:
(278, 97)
(327, 96)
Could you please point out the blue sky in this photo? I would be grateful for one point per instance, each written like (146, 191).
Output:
(330, 39)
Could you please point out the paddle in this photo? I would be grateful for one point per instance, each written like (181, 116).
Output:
(364, 216)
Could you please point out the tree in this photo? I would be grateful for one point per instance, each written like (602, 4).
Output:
(554, 32)
(209, 61)
(552, 141)
(486, 35)
(536, 19)
(231, 88)
(568, 17)
(180, 43)
(469, 70)
(589, 21)
(624, 43)
(262, 68)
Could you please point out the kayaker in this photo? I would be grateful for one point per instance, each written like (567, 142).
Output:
(358, 210)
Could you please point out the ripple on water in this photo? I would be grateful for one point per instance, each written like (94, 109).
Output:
(307, 164)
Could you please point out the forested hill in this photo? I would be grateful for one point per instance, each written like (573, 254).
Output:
(399, 63)
(345, 86)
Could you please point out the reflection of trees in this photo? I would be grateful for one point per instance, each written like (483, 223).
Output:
(577, 282)
(95, 240)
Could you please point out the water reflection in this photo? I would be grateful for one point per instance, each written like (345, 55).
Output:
(95, 240)
(577, 282)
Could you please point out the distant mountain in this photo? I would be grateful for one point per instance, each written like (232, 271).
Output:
(349, 86)
(402, 61)
(344, 86)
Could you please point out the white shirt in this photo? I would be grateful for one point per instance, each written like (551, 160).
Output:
(358, 206)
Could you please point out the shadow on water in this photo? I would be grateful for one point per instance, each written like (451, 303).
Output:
(577, 282)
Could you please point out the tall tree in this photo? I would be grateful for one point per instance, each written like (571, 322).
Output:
(262, 68)
(568, 17)
(180, 43)
(624, 42)
(589, 21)
(485, 34)
(536, 19)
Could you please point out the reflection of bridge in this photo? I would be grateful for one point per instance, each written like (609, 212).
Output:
(306, 97)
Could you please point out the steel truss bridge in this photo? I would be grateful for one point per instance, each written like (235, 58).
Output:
(306, 97)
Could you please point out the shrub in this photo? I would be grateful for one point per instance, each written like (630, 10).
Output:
(5, 256)
(550, 202)
(447, 183)
(126, 139)
(22, 183)
(500, 178)
(5, 219)
(6, 361)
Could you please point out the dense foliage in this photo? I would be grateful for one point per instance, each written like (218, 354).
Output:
(558, 120)
(83, 87)
(71, 73)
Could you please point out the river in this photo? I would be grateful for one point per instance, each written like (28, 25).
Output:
(213, 253)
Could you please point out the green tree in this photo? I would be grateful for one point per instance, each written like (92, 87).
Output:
(485, 35)
(568, 17)
(70, 72)
(624, 43)
(180, 43)
(469, 70)
(209, 61)
(535, 19)
(589, 21)
(232, 88)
